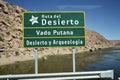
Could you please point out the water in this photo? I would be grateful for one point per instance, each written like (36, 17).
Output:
(87, 61)
(109, 61)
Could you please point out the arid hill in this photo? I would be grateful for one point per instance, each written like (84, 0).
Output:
(11, 35)
(116, 43)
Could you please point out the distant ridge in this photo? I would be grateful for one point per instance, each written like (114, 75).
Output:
(116, 43)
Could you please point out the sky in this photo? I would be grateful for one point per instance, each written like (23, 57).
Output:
(102, 16)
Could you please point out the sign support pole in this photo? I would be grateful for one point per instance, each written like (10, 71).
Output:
(36, 60)
(73, 59)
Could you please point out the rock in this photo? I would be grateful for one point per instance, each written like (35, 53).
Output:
(44, 58)
(91, 50)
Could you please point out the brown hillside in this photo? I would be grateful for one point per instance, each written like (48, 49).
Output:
(116, 43)
(95, 40)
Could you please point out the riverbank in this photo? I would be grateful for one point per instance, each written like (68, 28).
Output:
(13, 55)
(18, 56)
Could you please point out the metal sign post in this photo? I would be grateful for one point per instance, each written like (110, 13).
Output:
(73, 58)
(36, 60)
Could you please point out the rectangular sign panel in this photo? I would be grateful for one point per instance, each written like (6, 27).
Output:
(53, 42)
(53, 32)
(54, 19)
(53, 29)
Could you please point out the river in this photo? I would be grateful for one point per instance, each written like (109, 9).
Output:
(111, 60)
(105, 59)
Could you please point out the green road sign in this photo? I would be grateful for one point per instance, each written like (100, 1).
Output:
(53, 29)
(53, 32)
(53, 42)
(54, 19)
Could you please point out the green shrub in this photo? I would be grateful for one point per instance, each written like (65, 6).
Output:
(1, 38)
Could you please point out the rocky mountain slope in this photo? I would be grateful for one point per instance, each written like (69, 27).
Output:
(11, 35)
(116, 43)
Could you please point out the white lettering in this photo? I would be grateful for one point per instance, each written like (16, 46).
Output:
(38, 32)
(43, 21)
(59, 22)
(55, 32)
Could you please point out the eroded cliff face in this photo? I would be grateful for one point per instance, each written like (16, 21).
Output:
(11, 35)
(10, 25)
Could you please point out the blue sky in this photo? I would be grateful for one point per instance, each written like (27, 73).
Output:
(103, 16)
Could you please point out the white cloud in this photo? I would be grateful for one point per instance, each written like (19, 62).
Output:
(78, 7)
